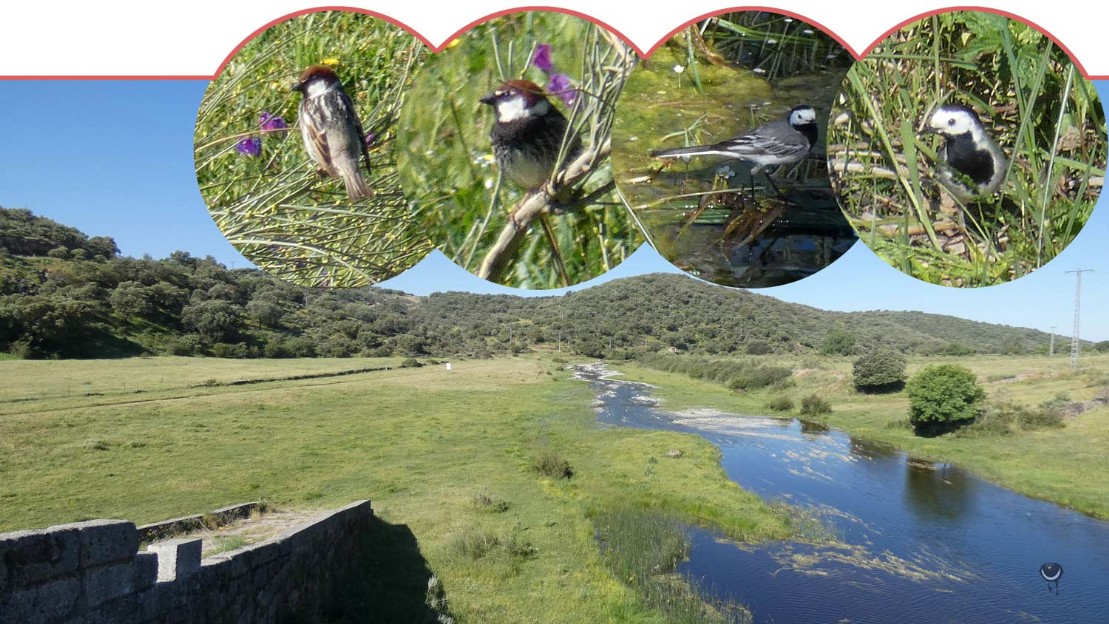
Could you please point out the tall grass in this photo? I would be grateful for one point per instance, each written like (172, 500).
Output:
(453, 184)
(772, 44)
(643, 549)
(1029, 94)
(274, 207)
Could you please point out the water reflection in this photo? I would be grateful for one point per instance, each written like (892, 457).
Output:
(873, 450)
(938, 490)
(813, 428)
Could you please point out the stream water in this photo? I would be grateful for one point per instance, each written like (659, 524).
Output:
(915, 541)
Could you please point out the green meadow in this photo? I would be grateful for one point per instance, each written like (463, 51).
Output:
(462, 458)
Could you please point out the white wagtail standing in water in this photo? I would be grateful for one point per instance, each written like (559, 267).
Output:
(970, 162)
(769, 145)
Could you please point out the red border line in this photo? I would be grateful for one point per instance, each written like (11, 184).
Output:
(797, 16)
(1003, 13)
(645, 54)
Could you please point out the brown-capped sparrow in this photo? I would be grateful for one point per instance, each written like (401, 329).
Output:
(332, 133)
(528, 133)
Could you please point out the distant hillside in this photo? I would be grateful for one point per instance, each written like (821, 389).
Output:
(64, 294)
(689, 315)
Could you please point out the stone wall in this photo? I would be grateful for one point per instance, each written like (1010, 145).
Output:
(92, 572)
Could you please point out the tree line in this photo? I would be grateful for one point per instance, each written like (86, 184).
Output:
(65, 294)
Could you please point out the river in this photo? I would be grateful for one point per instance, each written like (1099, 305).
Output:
(915, 541)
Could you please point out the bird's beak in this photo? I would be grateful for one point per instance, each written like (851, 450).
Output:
(489, 99)
(296, 86)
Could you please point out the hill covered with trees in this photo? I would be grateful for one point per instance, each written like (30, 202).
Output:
(65, 294)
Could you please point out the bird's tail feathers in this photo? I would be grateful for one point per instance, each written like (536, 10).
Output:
(354, 182)
(693, 150)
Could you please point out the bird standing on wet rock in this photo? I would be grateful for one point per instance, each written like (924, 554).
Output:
(782, 142)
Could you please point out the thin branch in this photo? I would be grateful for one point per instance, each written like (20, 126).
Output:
(535, 203)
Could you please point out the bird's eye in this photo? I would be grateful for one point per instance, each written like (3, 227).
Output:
(951, 122)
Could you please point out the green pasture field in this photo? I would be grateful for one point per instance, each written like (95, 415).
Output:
(449, 454)
(103, 380)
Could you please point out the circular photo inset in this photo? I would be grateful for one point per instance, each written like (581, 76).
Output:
(505, 150)
(967, 149)
(718, 147)
(294, 150)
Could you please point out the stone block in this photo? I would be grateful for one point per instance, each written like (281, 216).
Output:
(156, 603)
(227, 566)
(145, 570)
(235, 512)
(257, 555)
(45, 602)
(104, 583)
(104, 541)
(107, 541)
(162, 530)
(123, 609)
(177, 559)
(3, 568)
(35, 556)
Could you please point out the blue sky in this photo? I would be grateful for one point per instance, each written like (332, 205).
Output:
(114, 158)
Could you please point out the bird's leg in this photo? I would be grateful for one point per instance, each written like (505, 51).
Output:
(772, 185)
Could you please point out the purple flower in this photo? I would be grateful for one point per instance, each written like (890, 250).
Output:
(272, 123)
(560, 85)
(370, 139)
(250, 146)
(542, 58)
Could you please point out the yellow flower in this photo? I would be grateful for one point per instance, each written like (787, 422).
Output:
(453, 43)
(331, 61)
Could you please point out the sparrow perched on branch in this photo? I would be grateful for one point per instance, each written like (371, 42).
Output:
(970, 162)
(772, 144)
(528, 133)
(332, 133)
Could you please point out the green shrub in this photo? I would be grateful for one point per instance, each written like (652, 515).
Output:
(815, 405)
(224, 350)
(758, 347)
(957, 350)
(780, 404)
(735, 374)
(991, 423)
(880, 370)
(838, 342)
(943, 397)
(1002, 418)
(475, 544)
(486, 502)
(553, 466)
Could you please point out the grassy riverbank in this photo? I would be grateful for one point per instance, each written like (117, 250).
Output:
(1067, 465)
(450, 454)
